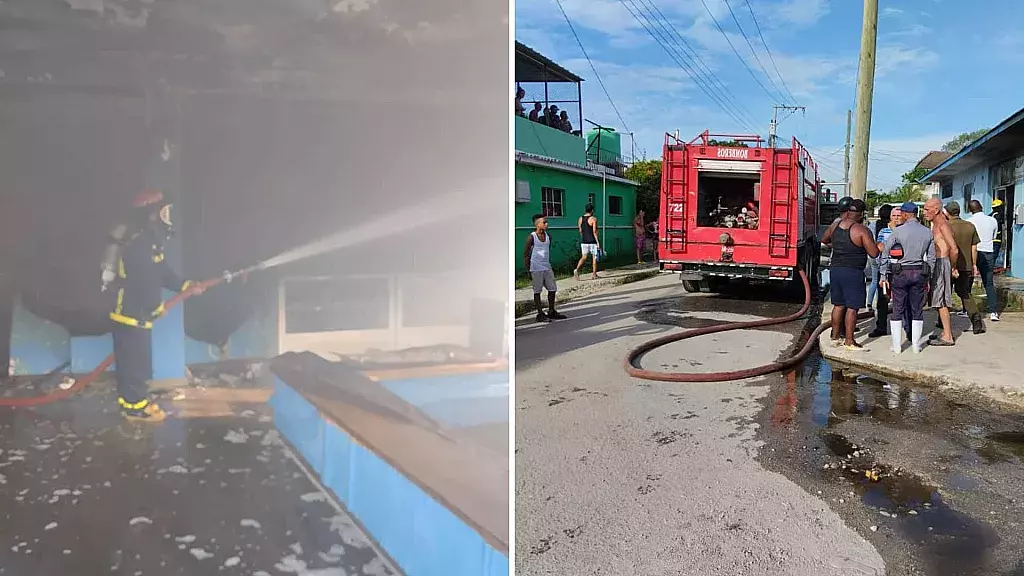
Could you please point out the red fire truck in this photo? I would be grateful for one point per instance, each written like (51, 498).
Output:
(740, 210)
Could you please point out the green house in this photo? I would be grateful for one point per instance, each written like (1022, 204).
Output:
(558, 173)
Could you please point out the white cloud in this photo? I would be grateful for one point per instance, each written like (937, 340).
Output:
(905, 60)
(800, 12)
(890, 11)
(915, 30)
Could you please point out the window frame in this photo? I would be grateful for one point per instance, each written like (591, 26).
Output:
(548, 204)
(618, 212)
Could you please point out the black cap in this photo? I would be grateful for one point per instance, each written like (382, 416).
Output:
(844, 203)
(858, 205)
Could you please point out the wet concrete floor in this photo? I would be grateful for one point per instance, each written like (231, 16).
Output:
(83, 492)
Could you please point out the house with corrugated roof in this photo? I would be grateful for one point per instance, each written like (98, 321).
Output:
(988, 169)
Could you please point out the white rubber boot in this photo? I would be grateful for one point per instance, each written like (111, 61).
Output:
(916, 329)
(896, 333)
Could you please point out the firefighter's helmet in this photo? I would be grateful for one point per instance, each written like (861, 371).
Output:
(997, 203)
(150, 200)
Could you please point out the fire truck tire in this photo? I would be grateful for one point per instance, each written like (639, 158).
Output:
(691, 285)
(713, 285)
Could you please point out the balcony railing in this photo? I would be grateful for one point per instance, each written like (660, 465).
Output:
(541, 140)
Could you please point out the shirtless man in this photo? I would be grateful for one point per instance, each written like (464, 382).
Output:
(942, 276)
(639, 235)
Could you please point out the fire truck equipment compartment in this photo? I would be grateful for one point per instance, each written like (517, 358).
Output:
(728, 200)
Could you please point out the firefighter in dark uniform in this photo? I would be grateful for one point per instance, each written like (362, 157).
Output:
(142, 274)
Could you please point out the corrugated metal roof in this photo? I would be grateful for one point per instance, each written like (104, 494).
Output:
(976, 145)
(932, 160)
(532, 66)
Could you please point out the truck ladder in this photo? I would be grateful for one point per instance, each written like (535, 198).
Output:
(780, 210)
(675, 194)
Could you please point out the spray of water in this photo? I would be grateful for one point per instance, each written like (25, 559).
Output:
(429, 213)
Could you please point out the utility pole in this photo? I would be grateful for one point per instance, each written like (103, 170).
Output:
(846, 159)
(865, 93)
(775, 120)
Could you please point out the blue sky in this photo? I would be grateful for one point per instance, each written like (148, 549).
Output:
(943, 67)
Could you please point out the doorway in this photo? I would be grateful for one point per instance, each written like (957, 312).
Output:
(1006, 194)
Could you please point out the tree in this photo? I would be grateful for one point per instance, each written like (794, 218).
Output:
(960, 142)
(648, 194)
(909, 191)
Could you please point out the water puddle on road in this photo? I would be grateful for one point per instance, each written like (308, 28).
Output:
(851, 421)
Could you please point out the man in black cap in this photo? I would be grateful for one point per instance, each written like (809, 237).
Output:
(852, 243)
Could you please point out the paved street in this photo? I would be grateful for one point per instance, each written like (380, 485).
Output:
(823, 470)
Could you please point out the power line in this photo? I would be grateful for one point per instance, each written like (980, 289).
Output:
(700, 65)
(702, 82)
(766, 49)
(735, 51)
(754, 52)
(594, 69)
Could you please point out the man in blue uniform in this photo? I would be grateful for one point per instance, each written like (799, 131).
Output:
(142, 275)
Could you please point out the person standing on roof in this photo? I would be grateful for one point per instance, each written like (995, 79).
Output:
(908, 255)
(141, 276)
(852, 243)
(589, 244)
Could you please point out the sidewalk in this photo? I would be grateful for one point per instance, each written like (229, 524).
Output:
(984, 363)
(570, 288)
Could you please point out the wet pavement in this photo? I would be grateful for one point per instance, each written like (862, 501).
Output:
(653, 478)
(932, 479)
(209, 491)
(932, 482)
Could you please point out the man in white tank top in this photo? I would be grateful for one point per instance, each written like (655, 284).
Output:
(538, 261)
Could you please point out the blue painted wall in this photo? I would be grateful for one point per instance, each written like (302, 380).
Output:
(982, 188)
(984, 193)
(459, 400)
(1017, 258)
(37, 346)
(423, 536)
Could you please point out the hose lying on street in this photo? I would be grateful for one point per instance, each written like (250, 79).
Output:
(634, 356)
(80, 383)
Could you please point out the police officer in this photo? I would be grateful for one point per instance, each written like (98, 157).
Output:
(909, 275)
(142, 274)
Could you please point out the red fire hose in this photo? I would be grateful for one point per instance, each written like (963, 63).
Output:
(631, 363)
(87, 379)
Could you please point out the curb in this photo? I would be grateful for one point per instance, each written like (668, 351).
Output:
(525, 307)
(930, 379)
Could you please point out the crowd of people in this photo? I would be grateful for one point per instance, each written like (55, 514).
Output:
(546, 115)
(911, 266)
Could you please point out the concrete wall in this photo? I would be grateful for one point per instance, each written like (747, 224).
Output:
(981, 177)
(982, 192)
(535, 138)
(421, 310)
